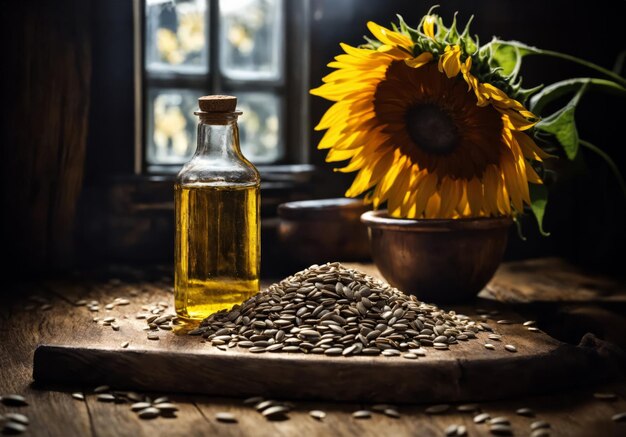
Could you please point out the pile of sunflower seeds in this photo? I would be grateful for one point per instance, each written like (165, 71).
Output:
(333, 310)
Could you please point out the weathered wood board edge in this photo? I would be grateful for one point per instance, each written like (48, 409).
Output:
(372, 379)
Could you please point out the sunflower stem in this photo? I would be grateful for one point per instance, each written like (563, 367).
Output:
(609, 161)
(537, 51)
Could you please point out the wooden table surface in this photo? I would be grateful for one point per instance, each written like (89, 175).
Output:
(571, 304)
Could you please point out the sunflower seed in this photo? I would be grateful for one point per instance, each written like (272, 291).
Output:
(619, 417)
(166, 407)
(362, 414)
(161, 400)
(14, 400)
(225, 417)
(467, 408)
(153, 336)
(265, 404)
(17, 417)
(149, 413)
(525, 412)
(504, 322)
(500, 421)
(124, 345)
(437, 409)
(452, 430)
(533, 329)
(489, 346)
(317, 414)
(539, 424)
(500, 429)
(101, 389)
(105, 397)
(138, 406)
(542, 432)
(78, 396)
(605, 396)
(253, 400)
(510, 348)
(410, 356)
(392, 412)
(461, 431)
(13, 428)
(529, 323)
(276, 412)
(481, 418)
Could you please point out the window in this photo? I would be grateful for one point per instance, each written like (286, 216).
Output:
(256, 50)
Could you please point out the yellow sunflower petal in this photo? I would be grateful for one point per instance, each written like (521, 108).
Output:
(529, 147)
(418, 61)
(532, 175)
(450, 61)
(429, 26)
(387, 36)
(475, 196)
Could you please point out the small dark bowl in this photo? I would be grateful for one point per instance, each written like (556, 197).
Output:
(440, 261)
(317, 231)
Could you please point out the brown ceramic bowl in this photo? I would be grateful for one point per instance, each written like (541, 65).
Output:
(318, 231)
(441, 261)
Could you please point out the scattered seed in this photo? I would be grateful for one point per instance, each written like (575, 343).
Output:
(264, 404)
(101, 389)
(380, 408)
(152, 336)
(253, 400)
(467, 408)
(161, 400)
(124, 345)
(225, 417)
(500, 429)
(542, 432)
(138, 406)
(525, 412)
(410, 356)
(392, 412)
(539, 424)
(529, 323)
(105, 397)
(276, 412)
(437, 409)
(166, 407)
(17, 417)
(78, 396)
(149, 413)
(481, 418)
(489, 346)
(510, 348)
(461, 430)
(362, 414)
(14, 400)
(451, 430)
(504, 322)
(500, 421)
(605, 396)
(619, 417)
(317, 414)
(533, 329)
(13, 428)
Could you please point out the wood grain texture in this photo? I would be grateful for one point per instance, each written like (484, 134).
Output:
(551, 280)
(93, 356)
(53, 412)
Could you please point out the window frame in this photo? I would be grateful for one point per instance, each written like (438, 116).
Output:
(291, 88)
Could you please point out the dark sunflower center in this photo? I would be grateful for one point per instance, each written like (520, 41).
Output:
(432, 129)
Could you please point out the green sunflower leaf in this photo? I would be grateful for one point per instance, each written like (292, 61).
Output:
(562, 125)
(538, 202)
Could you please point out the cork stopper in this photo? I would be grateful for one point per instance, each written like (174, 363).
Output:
(217, 103)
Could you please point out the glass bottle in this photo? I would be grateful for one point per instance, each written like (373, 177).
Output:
(217, 248)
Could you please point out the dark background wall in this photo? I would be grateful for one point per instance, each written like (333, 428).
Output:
(586, 214)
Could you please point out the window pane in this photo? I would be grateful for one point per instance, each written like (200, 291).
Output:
(176, 36)
(259, 126)
(171, 125)
(250, 38)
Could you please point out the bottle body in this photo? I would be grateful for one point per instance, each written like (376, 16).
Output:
(217, 243)
(217, 247)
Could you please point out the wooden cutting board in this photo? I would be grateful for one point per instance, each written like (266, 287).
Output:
(180, 363)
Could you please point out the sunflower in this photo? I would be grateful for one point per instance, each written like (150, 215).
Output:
(430, 126)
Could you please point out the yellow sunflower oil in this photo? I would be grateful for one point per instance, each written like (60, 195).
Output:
(217, 247)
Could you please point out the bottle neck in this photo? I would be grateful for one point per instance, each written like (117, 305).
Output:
(218, 136)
